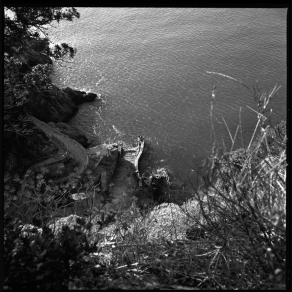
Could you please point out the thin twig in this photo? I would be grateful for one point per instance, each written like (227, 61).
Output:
(230, 136)
(240, 125)
(252, 137)
(234, 138)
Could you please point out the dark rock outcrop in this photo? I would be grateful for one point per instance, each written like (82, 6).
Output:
(51, 105)
(79, 97)
(159, 182)
(57, 105)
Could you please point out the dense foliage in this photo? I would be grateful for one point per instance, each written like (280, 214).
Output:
(27, 50)
(26, 25)
(40, 259)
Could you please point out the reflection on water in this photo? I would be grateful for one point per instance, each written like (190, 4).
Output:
(150, 64)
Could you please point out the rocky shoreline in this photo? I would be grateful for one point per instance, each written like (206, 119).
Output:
(92, 175)
(106, 176)
(56, 107)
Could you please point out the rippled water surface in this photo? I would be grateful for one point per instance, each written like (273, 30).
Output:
(150, 64)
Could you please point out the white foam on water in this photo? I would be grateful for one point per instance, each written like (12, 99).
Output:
(86, 89)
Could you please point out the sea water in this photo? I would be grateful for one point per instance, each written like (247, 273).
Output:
(151, 64)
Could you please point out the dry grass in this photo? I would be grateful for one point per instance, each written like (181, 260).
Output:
(237, 221)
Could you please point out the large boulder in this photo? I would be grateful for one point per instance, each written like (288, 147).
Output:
(166, 222)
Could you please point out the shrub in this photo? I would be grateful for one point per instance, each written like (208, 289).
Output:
(39, 260)
(243, 204)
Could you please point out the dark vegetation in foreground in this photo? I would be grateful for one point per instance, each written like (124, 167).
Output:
(229, 234)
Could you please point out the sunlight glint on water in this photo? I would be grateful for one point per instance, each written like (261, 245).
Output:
(150, 64)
